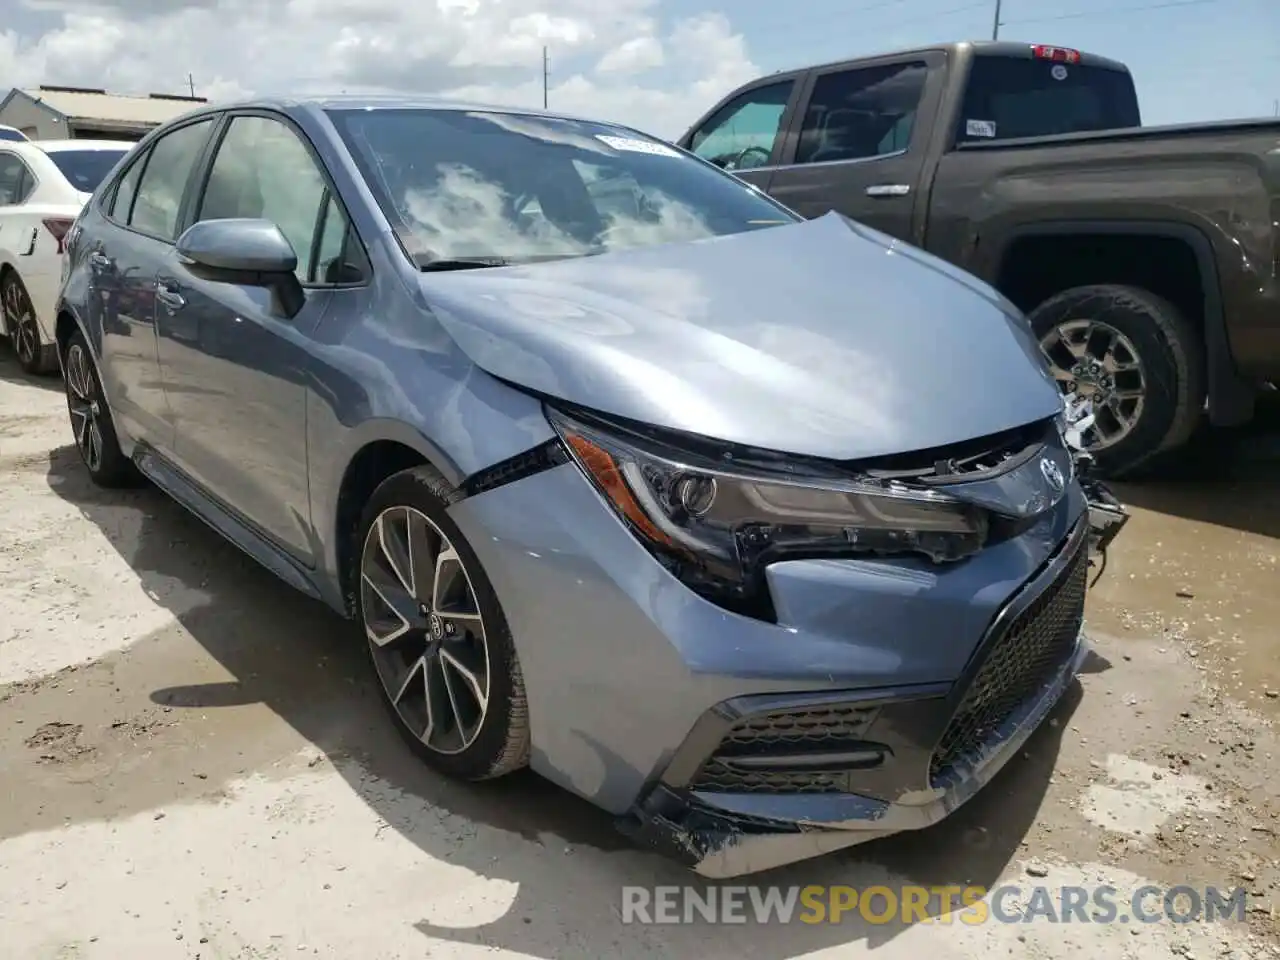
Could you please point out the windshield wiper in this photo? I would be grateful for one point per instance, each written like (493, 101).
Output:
(463, 263)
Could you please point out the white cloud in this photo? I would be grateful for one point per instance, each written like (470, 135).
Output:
(611, 61)
(632, 56)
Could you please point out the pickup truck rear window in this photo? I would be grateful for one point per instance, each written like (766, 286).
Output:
(1009, 97)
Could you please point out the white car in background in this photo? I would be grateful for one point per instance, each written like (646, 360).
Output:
(43, 185)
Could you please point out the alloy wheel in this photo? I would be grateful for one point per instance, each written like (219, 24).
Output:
(1096, 361)
(425, 629)
(21, 323)
(85, 407)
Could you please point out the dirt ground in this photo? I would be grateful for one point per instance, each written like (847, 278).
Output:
(193, 762)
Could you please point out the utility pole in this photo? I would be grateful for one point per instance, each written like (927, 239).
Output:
(191, 84)
(545, 73)
(995, 23)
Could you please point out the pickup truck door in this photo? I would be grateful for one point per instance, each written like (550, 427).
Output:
(744, 133)
(858, 142)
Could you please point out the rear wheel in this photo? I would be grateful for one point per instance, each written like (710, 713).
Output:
(91, 423)
(34, 356)
(437, 635)
(1137, 358)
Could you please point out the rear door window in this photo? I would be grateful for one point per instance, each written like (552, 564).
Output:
(1011, 97)
(164, 181)
(15, 180)
(862, 113)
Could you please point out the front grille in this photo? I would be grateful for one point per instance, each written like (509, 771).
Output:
(1022, 660)
(777, 735)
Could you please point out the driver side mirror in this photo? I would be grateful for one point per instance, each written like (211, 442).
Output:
(247, 252)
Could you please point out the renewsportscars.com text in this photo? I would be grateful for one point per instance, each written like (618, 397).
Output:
(937, 904)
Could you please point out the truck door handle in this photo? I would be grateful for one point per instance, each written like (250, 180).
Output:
(888, 190)
(170, 297)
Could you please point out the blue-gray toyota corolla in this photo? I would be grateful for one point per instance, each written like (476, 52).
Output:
(760, 533)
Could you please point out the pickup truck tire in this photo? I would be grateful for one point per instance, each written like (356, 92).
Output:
(1168, 348)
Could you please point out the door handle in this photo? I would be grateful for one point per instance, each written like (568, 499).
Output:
(888, 190)
(170, 297)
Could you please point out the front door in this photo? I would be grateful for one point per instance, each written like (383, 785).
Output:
(743, 135)
(235, 368)
(859, 146)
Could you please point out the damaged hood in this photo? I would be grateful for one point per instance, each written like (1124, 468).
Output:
(820, 338)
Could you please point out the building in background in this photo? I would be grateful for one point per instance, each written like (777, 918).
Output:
(86, 113)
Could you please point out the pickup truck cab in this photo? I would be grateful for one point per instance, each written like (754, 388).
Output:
(1146, 258)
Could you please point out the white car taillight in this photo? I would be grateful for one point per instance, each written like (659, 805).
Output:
(58, 227)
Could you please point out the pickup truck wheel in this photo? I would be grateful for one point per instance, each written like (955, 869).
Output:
(1136, 357)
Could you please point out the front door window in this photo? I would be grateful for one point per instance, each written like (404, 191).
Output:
(742, 134)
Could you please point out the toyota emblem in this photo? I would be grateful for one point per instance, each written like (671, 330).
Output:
(1052, 474)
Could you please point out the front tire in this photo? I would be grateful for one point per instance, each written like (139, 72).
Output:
(91, 425)
(437, 636)
(1137, 357)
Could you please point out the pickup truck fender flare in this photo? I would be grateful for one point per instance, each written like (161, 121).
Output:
(1230, 397)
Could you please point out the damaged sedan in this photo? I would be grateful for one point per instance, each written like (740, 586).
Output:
(766, 535)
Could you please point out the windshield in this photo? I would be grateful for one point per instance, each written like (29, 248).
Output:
(505, 187)
(1010, 97)
(84, 169)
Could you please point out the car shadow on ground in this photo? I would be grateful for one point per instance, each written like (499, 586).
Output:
(1228, 478)
(10, 372)
(308, 666)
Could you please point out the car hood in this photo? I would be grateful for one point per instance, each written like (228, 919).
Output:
(820, 338)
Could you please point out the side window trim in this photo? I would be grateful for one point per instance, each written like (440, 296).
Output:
(206, 169)
(317, 233)
(924, 108)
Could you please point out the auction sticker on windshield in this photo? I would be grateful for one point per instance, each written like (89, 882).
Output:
(980, 128)
(631, 145)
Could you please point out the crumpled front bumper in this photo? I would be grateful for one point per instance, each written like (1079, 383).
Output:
(728, 835)
(726, 812)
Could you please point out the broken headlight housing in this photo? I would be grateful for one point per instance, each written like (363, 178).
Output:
(717, 523)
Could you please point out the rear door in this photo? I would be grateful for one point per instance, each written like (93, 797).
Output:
(743, 134)
(862, 134)
(143, 210)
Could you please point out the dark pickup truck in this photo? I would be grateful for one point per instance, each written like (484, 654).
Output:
(1147, 258)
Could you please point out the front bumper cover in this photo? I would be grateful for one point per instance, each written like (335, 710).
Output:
(854, 766)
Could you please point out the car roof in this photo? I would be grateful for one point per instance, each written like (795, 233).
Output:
(58, 146)
(387, 102)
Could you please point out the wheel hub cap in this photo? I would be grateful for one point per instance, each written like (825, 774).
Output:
(425, 629)
(85, 409)
(1095, 360)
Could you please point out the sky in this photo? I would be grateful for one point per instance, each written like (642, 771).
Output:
(655, 64)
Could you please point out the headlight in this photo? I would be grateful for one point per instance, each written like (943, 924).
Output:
(718, 524)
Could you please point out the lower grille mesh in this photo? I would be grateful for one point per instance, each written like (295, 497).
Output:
(1022, 660)
(776, 734)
